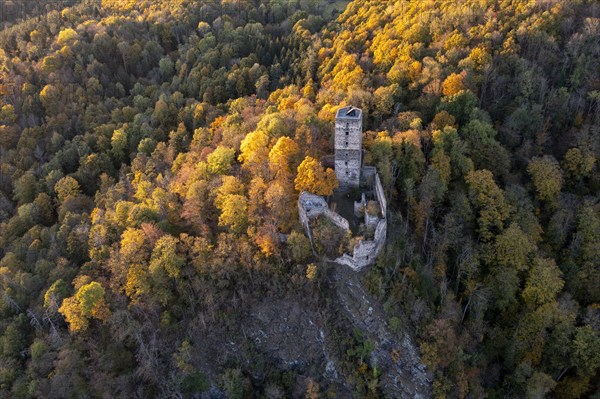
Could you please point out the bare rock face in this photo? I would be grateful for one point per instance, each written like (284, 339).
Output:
(297, 337)
(403, 375)
(306, 335)
(288, 333)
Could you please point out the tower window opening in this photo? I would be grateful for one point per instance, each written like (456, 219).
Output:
(346, 144)
(347, 133)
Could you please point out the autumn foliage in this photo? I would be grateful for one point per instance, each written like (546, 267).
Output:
(151, 157)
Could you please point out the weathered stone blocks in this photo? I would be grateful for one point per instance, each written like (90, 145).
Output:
(350, 172)
(348, 146)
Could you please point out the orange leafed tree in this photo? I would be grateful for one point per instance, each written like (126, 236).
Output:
(313, 177)
(453, 84)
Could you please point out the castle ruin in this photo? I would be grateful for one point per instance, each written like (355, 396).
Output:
(348, 146)
(352, 177)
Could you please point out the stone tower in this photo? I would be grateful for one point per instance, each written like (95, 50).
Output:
(348, 146)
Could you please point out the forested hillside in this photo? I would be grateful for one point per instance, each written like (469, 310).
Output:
(151, 156)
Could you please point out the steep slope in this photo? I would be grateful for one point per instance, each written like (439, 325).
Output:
(395, 356)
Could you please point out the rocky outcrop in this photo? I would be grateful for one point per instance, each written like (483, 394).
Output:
(298, 337)
(403, 375)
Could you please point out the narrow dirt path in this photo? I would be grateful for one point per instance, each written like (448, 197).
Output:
(403, 375)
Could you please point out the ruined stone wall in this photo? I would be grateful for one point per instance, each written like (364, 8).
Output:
(380, 195)
(371, 220)
(302, 215)
(366, 251)
(348, 260)
(310, 206)
(338, 220)
(359, 206)
(380, 235)
(350, 173)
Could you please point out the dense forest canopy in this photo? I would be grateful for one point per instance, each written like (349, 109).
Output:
(151, 157)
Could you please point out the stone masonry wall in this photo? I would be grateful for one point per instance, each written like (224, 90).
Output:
(366, 251)
(348, 146)
(310, 206)
(380, 195)
(348, 169)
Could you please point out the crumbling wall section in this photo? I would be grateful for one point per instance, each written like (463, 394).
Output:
(366, 251)
(359, 207)
(380, 235)
(348, 260)
(350, 173)
(310, 206)
(338, 220)
(380, 195)
(302, 214)
(371, 220)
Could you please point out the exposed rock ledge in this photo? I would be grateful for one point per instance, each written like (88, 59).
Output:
(405, 377)
(297, 337)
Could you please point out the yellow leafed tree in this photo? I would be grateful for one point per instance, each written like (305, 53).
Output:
(234, 212)
(313, 177)
(453, 84)
(282, 156)
(253, 151)
(88, 302)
